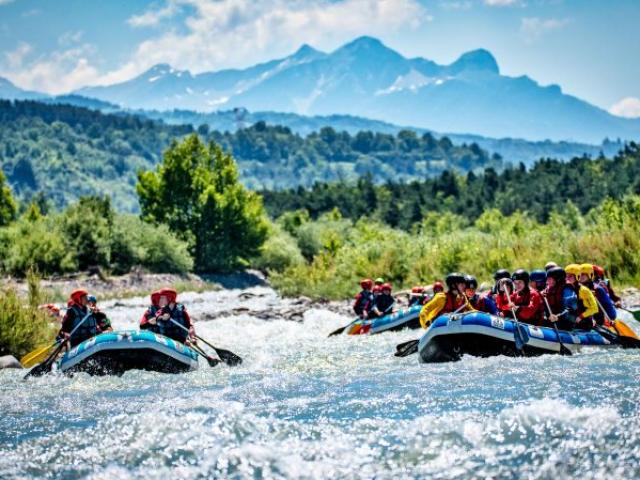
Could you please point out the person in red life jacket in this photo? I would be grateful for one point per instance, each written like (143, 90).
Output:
(504, 289)
(538, 280)
(482, 303)
(383, 303)
(607, 312)
(497, 277)
(453, 301)
(81, 316)
(169, 309)
(526, 302)
(148, 320)
(364, 300)
(600, 277)
(561, 299)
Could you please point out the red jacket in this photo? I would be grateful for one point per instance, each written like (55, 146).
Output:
(528, 304)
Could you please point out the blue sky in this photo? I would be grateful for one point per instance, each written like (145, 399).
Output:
(589, 47)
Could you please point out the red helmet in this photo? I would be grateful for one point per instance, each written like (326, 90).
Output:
(77, 295)
(438, 287)
(155, 298)
(170, 293)
(377, 289)
(417, 290)
(598, 271)
(366, 284)
(385, 286)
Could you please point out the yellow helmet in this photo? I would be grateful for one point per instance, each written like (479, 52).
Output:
(587, 269)
(572, 269)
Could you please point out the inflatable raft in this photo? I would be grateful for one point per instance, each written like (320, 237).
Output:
(113, 353)
(407, 318)
(451, 336)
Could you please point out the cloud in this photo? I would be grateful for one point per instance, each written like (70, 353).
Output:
(501, 3)
(531, 28)
(627, 107)
(224, 33)
(16, 58)
(4, 2)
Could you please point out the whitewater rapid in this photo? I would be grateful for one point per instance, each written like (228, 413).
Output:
(306, 406)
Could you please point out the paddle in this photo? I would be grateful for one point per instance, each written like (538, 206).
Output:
(636, 313)
(226, 356)
(36, 356)
(409, 348)
(342, 329)
(627, 341)
(212, 361)
(45, 366)
(563, 350)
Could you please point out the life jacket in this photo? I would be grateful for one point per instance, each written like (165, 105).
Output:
(383, 302)
(170, 329)
(531, 305)
(364, 302)
(453, 303)
(483, 303)
(87, 330)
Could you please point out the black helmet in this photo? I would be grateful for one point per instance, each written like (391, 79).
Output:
(471, 281)
(520, 274)
(453, 279)
(502, 273)
(538, 276)
(557, 273)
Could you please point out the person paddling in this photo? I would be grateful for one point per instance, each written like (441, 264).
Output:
(453, 300)
(600, 277)
(364, 300)
(606, 309)
(383, 303)
(149, 314)
(525, 302)
(169, 309)
(482, 303)
(587, 305)
(561, 299)
(79, 313)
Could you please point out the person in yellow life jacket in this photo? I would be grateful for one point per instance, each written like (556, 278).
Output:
(587, 305)
(453, 300)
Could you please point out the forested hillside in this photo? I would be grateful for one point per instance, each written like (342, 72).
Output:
(548, 186)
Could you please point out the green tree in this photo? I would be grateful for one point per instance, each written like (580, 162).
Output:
(7, 203)
(197, 193)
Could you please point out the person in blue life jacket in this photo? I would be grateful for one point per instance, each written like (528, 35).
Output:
(482, 303)
(607, 312)
(364, 300)
(538, 280)
(169, 309)
(90, 322)
(383, 303)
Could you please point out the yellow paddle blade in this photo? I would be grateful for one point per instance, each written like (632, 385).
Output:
(36, 356)
(623, 329)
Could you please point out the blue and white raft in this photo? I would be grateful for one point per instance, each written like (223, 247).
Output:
(113, 353)
(479, 334)
(407, 318)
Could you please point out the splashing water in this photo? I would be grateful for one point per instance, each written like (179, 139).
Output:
(306, 406)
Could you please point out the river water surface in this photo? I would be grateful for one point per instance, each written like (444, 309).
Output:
(306, 406)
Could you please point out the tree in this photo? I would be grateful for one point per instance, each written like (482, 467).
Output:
(197, 193)
(8, 207)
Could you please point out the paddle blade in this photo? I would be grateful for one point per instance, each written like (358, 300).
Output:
(338, 331)
(36, 356)
(407, 348)
(228, 357)
(564, 350)
(45, 367)
(624, 330)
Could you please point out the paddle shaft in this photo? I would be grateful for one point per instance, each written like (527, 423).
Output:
(563, 349)
(226, 356)
(516, 331)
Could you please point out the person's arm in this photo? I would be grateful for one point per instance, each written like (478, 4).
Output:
(607, 305)
(67, 323)
(189, 323)
(431, 309)
(589, 302)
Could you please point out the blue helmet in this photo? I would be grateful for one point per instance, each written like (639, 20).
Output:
(92, 299)
(538, 276)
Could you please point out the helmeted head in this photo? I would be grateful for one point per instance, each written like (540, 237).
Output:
(155, 298)
(502, 273)
(538, 279)
(586, 273)
(520, 279)
(437, 287)
(455, 282)
(366, 284)
(556, 276)
(573, 272)
(376, 290)
(92, 300)
(417, 290)
(550, 265)
(471, 285)
(386, 288)
(379, 281)
(167, 296)
(79, 297)
(598, 272)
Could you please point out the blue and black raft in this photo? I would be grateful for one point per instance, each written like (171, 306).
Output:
(114, 353)
(479, 334)
(406, 318)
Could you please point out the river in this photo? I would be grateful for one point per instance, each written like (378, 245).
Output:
(306, 406)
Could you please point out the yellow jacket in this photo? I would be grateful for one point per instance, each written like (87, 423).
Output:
(434, 307)
(589, 302)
